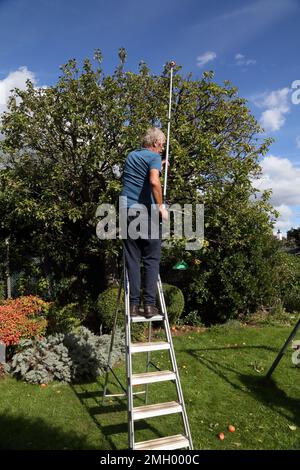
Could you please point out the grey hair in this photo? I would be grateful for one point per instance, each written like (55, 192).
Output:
(152, 135)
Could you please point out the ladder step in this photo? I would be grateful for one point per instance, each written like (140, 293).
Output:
(151, 377)
(144, 319)
(164, 443)
(150, 346)
(158, 409)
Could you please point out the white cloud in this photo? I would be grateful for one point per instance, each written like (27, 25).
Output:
(14, 79)
(280, 175)
(283, 178)
(277, 105)
(298, 141)
(205, 58)
(284, 221)
(272, 119)
(242, 60)
(276, 99)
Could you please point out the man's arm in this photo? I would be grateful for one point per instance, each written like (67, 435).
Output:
(157, 192)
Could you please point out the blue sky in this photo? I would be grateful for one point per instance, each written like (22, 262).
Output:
(255, 44)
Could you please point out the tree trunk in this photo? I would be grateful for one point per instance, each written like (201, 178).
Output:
(7, 268)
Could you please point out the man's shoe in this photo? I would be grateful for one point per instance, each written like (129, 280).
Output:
(150, 311)
(134, 310)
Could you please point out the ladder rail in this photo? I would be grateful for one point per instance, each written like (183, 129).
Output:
(174, 362)
(128, 360)
(108, 367)
(148, 361)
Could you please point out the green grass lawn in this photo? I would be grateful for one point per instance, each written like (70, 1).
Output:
(222, 373)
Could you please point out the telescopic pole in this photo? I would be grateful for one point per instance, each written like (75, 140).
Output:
(172, 65)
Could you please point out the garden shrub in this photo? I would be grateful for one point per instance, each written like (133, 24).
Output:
(63, 319)
(41, 361)
(193, 319)
(291, 299)
(239, 268)
(174, 302)
(289, 282)
(22, 318)
(106, 307)
(70, 357)
(89, 352)
(31, 280)
(275, 316)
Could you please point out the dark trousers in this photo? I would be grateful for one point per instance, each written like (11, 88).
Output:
(148, 252)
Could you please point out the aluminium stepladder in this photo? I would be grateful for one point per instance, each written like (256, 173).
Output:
(177, 441)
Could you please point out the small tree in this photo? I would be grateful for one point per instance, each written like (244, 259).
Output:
(63, 153)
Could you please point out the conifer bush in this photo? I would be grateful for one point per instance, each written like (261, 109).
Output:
(71, 357)
(89, 352)
(42, 360)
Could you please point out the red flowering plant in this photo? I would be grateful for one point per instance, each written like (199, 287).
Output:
(22, 318)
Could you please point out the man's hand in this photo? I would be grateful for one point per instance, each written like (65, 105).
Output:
(163, 162)
(164, 213)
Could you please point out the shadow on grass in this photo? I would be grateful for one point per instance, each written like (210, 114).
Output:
(263, 389)
(100, 414)
(268, 392)
(24, 433)
(92, 402)
(232, 346)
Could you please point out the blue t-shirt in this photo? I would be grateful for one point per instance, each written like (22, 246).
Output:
(136, 183)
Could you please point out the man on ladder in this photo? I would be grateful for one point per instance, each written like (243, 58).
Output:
(142, 190)
(142, 195)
